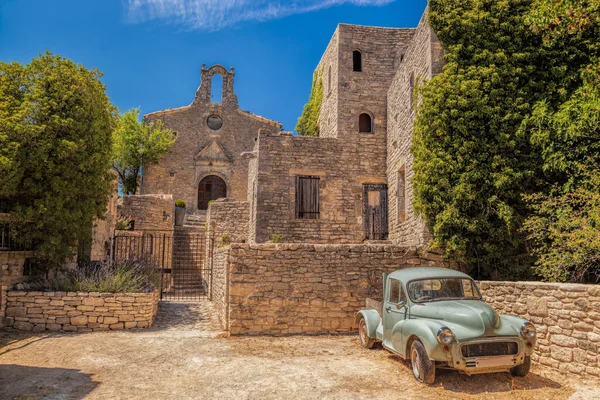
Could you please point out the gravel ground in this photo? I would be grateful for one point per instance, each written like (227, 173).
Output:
(182, 363)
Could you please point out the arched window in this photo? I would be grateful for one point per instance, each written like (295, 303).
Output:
(365, 123)
(216, 89)
(357, 61)
(211, 188)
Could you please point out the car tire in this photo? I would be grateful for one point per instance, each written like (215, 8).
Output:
(363, 334)
(423, 368)
(523, 369)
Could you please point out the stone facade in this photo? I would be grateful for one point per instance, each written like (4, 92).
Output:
(11, 273)
(567, 318)
(149, 212)
(79, 312)
(200, 151)
(422, 60)
(280, 289)
(227, 221)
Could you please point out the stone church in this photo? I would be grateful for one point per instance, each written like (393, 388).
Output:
(205, 163)
(352, 184)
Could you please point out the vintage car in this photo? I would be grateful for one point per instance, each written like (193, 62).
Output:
(436, 317)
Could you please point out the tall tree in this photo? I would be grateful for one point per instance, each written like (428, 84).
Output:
(564, 228)
(55, 151)
(137, 144)
(472, 163)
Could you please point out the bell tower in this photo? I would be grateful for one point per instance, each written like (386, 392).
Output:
(203, 94)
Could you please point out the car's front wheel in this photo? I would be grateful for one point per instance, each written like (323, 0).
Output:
(522, 369)
(423, 368)
(363, 334)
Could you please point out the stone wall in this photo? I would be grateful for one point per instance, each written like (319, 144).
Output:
(343, 168)
(11, 273)
(228, 217)
(567, 318)
(200, 151)
(79, 312)
(329, 69)
(422, 60)
(280, 289)
(149, 212)
(220, 284)
(104, 229)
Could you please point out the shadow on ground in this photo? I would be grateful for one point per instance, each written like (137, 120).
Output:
(22, 382)
(454, 381)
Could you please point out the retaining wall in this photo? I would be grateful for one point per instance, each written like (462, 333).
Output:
(567, 318)
(79, 312)
(281, 289)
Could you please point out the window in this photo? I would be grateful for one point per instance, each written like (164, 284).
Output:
(214, 122)
(396, 293)
(357, 61)
(307, 197)
(365, 123)
(401, 193)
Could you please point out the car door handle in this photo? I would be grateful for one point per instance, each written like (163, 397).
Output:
(388, 309)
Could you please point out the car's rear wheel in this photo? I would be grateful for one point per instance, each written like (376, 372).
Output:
(522, 369)
(363, 334)
(423, 368)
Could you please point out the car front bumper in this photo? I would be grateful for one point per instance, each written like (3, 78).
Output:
(485, 363)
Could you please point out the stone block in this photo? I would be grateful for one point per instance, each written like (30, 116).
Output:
(110, 320)
(79, 320)
(537, 306)
(130, 324)
(23, 326)
(117, 326)
(16, 311)
(93, 301)
(127, 317)
(561, 353)
(54, 327)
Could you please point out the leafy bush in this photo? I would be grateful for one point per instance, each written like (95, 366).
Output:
(124, 223)
(180, 203)
(308, 123)
(135, 275)
(225, 240)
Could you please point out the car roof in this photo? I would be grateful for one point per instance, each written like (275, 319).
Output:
(408, 274)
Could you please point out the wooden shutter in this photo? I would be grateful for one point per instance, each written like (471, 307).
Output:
(307, 197)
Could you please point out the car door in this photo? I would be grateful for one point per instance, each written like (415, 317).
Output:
(394, 311)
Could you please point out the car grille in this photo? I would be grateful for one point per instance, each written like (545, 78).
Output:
(489, 349)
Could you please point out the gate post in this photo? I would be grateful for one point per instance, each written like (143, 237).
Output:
(212, 256)
(162, 266)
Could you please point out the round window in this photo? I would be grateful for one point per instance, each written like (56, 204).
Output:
(214, 122)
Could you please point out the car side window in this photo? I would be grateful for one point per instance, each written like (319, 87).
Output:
(396, 295)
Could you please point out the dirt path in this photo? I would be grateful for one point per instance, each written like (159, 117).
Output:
(173, 364)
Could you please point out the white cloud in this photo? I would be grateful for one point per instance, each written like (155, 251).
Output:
(213, 15)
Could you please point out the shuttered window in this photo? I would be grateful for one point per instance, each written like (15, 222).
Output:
(307, 197)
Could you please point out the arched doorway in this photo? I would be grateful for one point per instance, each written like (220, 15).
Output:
(211, 188)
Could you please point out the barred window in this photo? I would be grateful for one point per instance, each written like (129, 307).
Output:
(307, 197)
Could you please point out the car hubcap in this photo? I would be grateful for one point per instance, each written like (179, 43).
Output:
(415, 364)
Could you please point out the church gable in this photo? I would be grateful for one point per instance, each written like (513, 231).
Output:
(213, 152)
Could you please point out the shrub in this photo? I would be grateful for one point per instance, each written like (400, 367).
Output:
(225, 240)
(277, 238)
(180, 203)
(124, 223)
(135, 275)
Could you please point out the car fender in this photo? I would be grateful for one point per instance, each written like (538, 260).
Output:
(426, 332)
(372, 319)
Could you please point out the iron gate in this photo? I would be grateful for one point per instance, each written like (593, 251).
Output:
(375, 211)
(185, 274)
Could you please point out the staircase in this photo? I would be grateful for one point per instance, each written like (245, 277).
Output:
(195, 221)
(188, 259)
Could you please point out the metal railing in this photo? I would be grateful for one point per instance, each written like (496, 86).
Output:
(11, 241)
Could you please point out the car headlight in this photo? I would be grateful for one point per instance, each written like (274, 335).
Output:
(445, 335)
(528, 330)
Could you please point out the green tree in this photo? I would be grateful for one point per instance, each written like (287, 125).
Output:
(55, 151)
(137, 144)
(472, 163)
(308, 123)
(564, 228)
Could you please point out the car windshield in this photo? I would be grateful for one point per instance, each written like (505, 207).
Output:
(438, 289)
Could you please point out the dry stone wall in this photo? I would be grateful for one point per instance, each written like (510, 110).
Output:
(79, 312)
(220, 284)
(567, 318)
(149, 212)
(281, 289)
(228, 217)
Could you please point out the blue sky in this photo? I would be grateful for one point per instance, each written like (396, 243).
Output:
(151, 51)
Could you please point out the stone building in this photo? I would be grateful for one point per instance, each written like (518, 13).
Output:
(352, 183)
(205, 163)
(349, 185)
